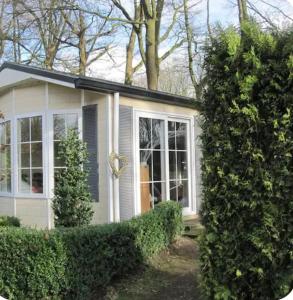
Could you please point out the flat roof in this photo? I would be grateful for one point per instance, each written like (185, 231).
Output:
(101, 85)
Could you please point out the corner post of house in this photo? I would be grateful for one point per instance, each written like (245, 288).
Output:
(116, 199)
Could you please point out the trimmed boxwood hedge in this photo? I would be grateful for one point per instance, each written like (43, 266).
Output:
(9, 221)
(73, 263)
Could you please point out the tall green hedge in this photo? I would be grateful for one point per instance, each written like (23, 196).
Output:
(246, 249)
(75, 263)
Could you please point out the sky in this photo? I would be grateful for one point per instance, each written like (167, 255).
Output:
(222, 12)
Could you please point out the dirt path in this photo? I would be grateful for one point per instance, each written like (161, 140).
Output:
(171, 275)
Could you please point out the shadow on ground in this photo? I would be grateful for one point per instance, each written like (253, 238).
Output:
(170, 275)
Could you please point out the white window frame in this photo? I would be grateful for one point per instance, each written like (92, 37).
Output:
(15, 157)
(51, 114)
(190, 156)
(9, 194)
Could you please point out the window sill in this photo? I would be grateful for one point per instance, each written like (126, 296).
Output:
(30, 196)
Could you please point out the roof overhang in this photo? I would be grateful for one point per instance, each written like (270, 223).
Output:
(12, 74)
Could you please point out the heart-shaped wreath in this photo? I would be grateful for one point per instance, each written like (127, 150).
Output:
(122, 163)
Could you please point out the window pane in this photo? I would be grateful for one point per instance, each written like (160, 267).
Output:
(24, 130)
(171, 135)
(159, 192)
(57, 161)
(37, 155)
(24, 181)
(182, 168)
(146, 197)
(36, 129)
(72, 121)
(5, 157)
(173, 190)
(37, 181)
(181, 133)
(2, 134)
(24, 155)
(145, 165)
(5, 181)
(172, 164)
(158, 166)
(157, 134)
(183, 193)
(59, 127)
(145, 132)
(7, 133)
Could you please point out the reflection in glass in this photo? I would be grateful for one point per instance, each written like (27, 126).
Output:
(173, 190)
(37, 181)
(181, 132)
(158, 166)
(5, 157)
(172, 164)
(59, 127)
(146, 165)
(24, 156)
(57, 161)
(171, 135)
(159, 192)
(182, 167)
(37, 155)
(7, 133)
(145, 132)
(24, 130)
(24, 181)
(146, 196)
(36, 129)
(157, 134)
(183, 193)
(72, 122)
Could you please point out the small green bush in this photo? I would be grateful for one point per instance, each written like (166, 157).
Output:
(247, 208)
(8, 221)
(72, 202)
(73, 263)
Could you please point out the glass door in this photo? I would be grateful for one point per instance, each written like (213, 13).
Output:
(178, 162)
(164, 162)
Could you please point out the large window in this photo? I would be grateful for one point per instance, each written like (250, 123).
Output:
(30, 155)
(152, 161)
(5, 157)
(62, 124)
(178, 167)
(153, 151)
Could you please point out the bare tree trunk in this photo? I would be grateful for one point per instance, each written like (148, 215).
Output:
(129, 58)
(242, 10)
(83, 56)
(189, 35)
(147, 26)
(208, 18)
(151, 55)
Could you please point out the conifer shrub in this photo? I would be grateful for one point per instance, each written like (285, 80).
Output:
(72, 202)
(246, 247)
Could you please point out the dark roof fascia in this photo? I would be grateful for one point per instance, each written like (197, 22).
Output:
(136, 92)
(100, 85)
(39, 72)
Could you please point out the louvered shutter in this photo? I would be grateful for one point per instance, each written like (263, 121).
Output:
(89, 117)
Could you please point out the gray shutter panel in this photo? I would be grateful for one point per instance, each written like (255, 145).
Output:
(126, 181)
(89, 121)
